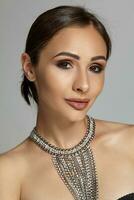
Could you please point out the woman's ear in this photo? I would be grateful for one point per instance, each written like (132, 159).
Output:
(27, 67)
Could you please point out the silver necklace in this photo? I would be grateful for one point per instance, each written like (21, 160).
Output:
(75, 166)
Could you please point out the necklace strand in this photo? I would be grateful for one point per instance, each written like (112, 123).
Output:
(75, 166)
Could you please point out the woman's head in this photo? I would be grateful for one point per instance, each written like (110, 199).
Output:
(62, 28)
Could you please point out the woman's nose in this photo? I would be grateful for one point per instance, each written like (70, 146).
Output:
(81, 82)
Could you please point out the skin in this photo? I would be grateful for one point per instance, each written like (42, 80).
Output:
(54, 84)
(30, 168)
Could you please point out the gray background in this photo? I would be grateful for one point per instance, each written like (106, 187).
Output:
(116, 101)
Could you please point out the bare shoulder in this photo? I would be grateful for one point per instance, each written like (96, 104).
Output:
(12, 169)
(15, 167)
(112, 126)
(17, 157)
(21, 159)
(114, 133)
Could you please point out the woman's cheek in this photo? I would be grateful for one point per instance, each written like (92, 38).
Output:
(98, 86)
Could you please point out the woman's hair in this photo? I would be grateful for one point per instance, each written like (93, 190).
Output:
(46, 26)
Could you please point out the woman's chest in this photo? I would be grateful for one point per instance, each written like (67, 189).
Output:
(45, 185)
(113, 183)
(115, 172)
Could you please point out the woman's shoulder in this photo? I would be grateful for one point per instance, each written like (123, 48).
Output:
(21, 157)
(19, 154)
(115, 134)
(12, 170)
(15, 166)
(13, 159)
(114, 126)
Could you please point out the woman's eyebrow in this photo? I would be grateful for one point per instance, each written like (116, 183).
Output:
(78, 57)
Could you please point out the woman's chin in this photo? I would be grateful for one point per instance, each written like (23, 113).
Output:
(76, 116)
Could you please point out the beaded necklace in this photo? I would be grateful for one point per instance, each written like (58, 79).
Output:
(75, 166)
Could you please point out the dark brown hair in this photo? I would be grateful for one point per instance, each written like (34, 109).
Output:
(46, 26)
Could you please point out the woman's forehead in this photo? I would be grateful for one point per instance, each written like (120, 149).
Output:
(78, 40)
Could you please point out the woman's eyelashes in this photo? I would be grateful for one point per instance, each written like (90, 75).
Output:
(66, 65)
(96, 68)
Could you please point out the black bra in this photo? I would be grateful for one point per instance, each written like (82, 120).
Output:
(127, 197)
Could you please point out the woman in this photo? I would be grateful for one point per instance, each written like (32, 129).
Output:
(68, 155)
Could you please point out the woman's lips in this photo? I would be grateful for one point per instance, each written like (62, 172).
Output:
(77, 105)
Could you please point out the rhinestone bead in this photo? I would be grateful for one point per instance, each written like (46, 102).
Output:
(75, 166)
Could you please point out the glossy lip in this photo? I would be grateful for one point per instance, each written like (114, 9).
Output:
(77, 104)
(78, 100)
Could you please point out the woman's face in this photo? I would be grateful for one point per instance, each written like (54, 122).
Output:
(71, 66)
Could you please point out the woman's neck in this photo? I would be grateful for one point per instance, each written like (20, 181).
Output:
(60, 132)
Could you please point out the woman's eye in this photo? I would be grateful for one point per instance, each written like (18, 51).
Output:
(96, 68)
(63, 64)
